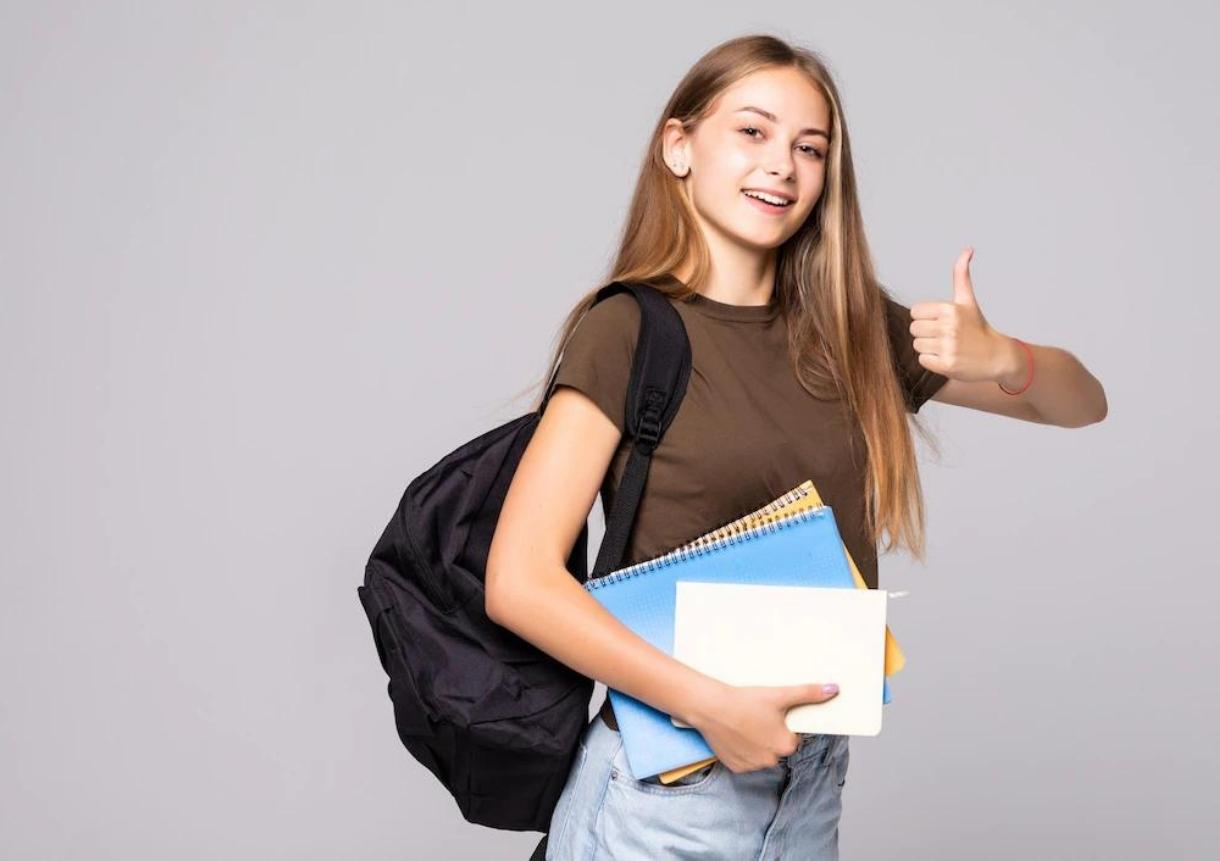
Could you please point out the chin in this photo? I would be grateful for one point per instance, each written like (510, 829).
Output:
(760, 239)
(748, 234)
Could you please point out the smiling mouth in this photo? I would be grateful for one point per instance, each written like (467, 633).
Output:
(766, 206)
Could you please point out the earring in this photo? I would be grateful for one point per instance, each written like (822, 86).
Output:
(679, 168)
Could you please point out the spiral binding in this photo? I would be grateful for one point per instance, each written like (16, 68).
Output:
(744, 529)
(799, 492)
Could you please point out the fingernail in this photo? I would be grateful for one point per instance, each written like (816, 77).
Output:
(830, 689)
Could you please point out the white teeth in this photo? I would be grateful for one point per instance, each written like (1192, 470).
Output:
(767, 198)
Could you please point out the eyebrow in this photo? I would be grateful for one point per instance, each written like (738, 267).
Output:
(774, 119)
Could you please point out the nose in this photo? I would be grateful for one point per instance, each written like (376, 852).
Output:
(782, 167)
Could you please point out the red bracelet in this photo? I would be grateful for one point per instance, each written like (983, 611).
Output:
(1028, 379)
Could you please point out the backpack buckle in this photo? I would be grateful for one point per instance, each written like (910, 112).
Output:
(648, 430)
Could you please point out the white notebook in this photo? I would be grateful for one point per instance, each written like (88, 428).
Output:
(750, 634)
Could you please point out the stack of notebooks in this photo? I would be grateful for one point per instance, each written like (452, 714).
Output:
(758, 601)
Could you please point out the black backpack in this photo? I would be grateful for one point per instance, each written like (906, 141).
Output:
(493, 717)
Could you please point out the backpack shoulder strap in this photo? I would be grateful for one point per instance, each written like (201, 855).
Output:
(660, 370)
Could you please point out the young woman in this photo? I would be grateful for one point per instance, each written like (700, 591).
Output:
(803, 367)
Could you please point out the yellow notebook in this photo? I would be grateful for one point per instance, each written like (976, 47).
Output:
(803, 496)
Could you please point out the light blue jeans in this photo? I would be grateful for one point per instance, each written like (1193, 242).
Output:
(789, 811)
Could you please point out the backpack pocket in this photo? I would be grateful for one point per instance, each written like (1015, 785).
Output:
(410, 713)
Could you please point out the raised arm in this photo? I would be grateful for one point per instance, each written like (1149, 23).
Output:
(954, 339)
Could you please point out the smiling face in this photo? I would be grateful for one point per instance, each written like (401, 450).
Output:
(769, 132)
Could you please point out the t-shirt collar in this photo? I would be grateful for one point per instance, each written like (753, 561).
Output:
(727, 311)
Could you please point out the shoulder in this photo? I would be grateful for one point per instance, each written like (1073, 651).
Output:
(898, 330)
(607, 329)
(897, 315)
(619, 312)
(897, 325)
(598, 356)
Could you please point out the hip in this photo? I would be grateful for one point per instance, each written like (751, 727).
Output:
(790, 808)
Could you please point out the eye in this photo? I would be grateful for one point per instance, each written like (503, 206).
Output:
(807, 148)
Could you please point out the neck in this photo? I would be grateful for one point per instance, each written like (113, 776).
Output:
(738, 276)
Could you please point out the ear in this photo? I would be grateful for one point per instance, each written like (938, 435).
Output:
(674, 148)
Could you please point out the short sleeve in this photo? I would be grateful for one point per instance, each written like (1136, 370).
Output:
(597, 358)
(918, 383)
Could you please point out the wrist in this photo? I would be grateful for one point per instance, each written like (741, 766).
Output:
(701, 699)
(1013, 368)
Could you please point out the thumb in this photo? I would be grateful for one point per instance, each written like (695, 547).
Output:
(795, 695)
(963, 287)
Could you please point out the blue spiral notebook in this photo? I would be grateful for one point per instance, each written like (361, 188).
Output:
(803, 548)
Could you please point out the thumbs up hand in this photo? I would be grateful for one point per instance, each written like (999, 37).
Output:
(954, 338)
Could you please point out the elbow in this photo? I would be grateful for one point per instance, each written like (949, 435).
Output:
(1101, 409)
(512, 592)
(1090, 414)
(500, 589)
(1083, 422)
(1100, 405)
(515, 578)
(496, 573)
(492, 588)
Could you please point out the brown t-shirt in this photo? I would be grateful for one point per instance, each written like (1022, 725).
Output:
(745, 432)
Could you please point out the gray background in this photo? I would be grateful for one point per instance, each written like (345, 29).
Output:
(262, 264)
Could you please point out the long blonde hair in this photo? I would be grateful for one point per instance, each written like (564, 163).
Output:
(832, 302)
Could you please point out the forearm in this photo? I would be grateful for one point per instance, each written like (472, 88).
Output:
(556, 614)
(1063, 391)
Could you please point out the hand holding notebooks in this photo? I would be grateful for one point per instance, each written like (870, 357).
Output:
(804, 495)
(802, 548)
